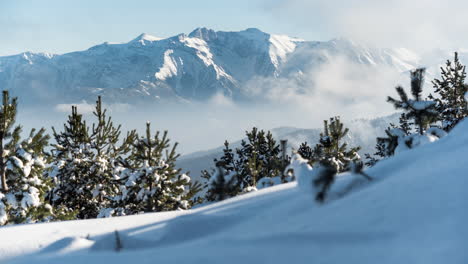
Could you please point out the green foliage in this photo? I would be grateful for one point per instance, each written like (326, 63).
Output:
(328, 168)
(332, 147)
(258, 157)
(90, 172)
(7, 120)
(421, 111)
(221, 185)
(386, 146)
(313, 155)
(22, 198)
(330, 156)
(151, 182)
(418, 115)
(84, 164)
(450, 92)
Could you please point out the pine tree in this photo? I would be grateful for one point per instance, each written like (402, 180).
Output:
(405, 125)
(258, 157)
(327, 168)
(423, 112)
(331, 156)
(70, 168)
(22, 166)
(7, 120)
(451, 89)
(305, 151)
(227, 161)
(330, 144)
(152, 183)
(86, 164)
(313, 155)
(222, 184)
(386, 146)
(104, 138)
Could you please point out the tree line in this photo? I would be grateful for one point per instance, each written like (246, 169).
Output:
(90, 170)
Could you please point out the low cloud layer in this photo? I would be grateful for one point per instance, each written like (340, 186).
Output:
(338, 87)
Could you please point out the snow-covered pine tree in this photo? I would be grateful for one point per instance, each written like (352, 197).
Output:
(334, 156)
(221, 184)
(152, 183)
(7, 120)
(327, 170)
(22, 165)
(259, 156)
(86, 164)
(259, 161)
(385, 146)
(450, 91)
(313, 155)
(332, 147)
(72, 155)
(106, 161)
(423, 112)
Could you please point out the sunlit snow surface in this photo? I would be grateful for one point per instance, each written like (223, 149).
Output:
(413, 212)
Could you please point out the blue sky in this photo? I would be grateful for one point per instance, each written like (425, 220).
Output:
(59, 26)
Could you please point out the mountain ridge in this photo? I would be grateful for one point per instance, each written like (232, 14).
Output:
(194, 66)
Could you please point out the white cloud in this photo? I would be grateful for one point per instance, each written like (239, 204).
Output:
(338, 87)
(220, 99)
(83, 108)
(391, 23)
(86, 108)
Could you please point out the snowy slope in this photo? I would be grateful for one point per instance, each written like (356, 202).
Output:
(413, 212)
(196, 66)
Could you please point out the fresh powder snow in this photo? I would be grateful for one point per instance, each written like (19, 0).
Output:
(412, 212)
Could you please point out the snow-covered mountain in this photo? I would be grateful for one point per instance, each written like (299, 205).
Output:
(196, 66)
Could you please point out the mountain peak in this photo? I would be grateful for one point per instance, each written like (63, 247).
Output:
(345, 41)
(254, 31)
(203, 33)
(143, 38)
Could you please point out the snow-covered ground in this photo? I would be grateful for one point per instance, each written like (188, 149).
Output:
(413, 212)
